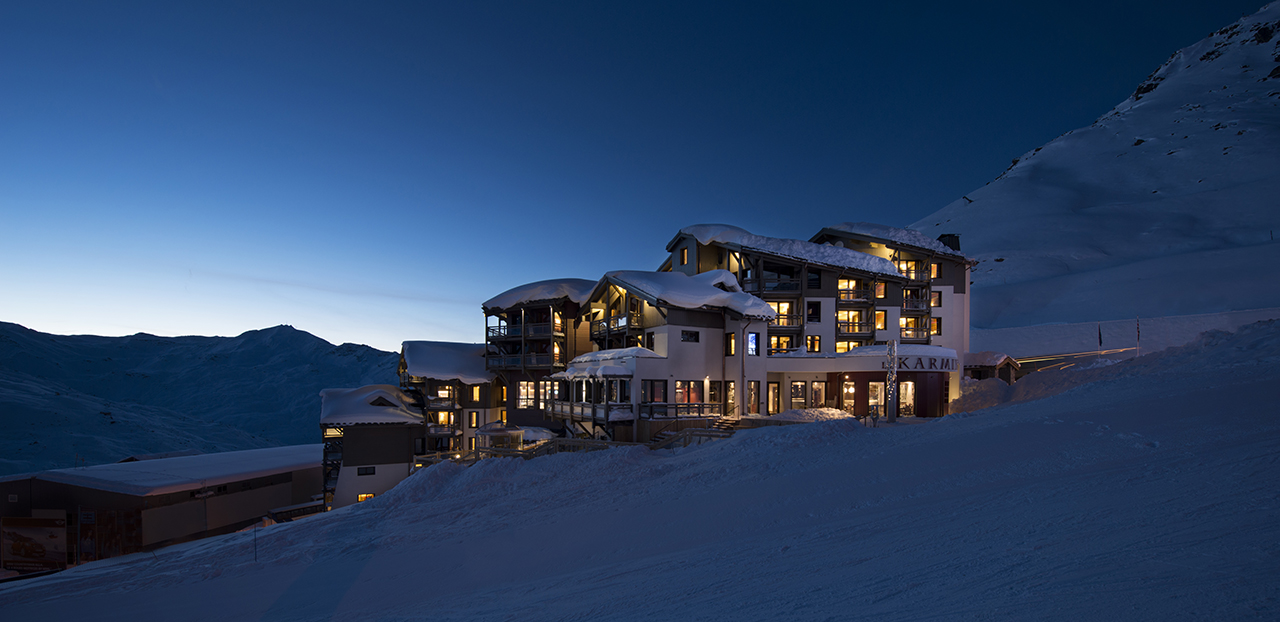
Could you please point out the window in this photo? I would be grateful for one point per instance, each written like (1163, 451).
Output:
(688, 391)
(845, 346)
(648, 340)
(471, 443)
(474, 419)
(875, 398)
(713, 392)
(879, 290)
(935, 326)
(653, 391)
(935, 270)
(907, 398)
(848, 390)
(813, 343)
(730, 395)
(475, 393)
(684, 256)
(779, 344)
(753, 397)
(785, 318)
(775, 398)
(798, 390)
(880, 320)
(909, 268)
(730, 344)
(548, 390)
(619, 390)
(527, 397)
(815, 279)
(935, 298)
(366, 471)
(689, 336)
(504, 394)
(753, 344)
(813, 311)
(361, 498)
(818, 394)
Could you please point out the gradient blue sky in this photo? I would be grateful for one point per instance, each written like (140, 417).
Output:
(373, 172)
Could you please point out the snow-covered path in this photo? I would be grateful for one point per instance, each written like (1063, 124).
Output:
(1150, 495)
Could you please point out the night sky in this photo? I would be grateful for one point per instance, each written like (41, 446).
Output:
(373, 172)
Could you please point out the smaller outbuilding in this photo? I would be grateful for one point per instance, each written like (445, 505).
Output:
(983, 365)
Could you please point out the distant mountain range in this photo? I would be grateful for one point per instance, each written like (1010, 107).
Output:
(101, 399)
(1166, 205)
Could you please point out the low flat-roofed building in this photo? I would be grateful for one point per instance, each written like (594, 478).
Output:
(116, 509)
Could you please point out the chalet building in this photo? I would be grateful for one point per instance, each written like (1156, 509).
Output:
(671, 348)
(532, 332)
(988, 364)
(453, 387)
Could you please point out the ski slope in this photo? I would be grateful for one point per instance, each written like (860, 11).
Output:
(1143, 491)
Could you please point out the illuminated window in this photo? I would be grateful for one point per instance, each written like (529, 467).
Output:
(684, 256)
(730, 395)
(935, 326)
(333, 432)
(730, 344)
(364, 497)
(526, 397)
(475, 393)
(775, 398)
(880, 320)
(753, 344)
(798, 390)
(471, 443)
(935, 270)
(688, 391)
(813, 343)
(504, 394)
(653, 391)
(818, 394)
(879, 290)
(935, 298)
(475, 419)
(753, 397)
(845, 346)
(779, 343)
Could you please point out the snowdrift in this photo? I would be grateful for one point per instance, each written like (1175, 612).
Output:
(1147, 493)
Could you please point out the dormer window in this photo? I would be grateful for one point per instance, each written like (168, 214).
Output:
(684, 256)
(382, 401)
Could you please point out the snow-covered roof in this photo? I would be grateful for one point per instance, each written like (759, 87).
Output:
(169, 475)
(908, 237)
(706, 290)
(615, 354)
(987, 359)
(446, 360)
(576, 290)
(375, 403)
(798, 250)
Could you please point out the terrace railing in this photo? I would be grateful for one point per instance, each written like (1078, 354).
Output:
(854, 328)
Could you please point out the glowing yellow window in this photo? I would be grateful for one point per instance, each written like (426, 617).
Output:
(364, 497)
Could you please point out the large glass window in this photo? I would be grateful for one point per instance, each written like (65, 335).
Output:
(935, 298)
(880, 320)
(848, 391)
(880, 290)
(731, 395)
(779, 343)
(817, 394)
(813, 343)
(753, 344)
(753, 397)
(713, 392)
(688, 391)
(798, 390)
(730, 344)
(653, 391)
(474, 419)
(775, 398)
(907, 398)
(619, 390)
(935, 326)
(813, 311)
(875, 398)
(526, 398)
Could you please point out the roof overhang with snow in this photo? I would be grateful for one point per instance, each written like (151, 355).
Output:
(372, 404)
(616, 363)
(574, 290)
(446, 360)
(806, 252)
(892, 236)
(712, 291)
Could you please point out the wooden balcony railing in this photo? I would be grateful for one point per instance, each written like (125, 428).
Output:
(855, 295)
(790, 320)
(915, 304)
(616, 323)
(915, 333)
(771, 285)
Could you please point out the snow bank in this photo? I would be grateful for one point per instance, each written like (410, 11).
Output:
(702, 291)
(444, 360)
(576, 290)
(800, 250)
(812, 414)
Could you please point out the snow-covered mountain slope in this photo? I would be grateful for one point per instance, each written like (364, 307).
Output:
(1166, 205)
(105, 398)
(1145, 494)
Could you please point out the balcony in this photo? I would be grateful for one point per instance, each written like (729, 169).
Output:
(771, 285)
(792, 320)
(545, 359)
(775, 351)
(544, 329)
(617, 323)
(585, 411)
(915, 275)
(854, 328)
(502, 361)
(862, 294)
(915, 333)
(915, 304)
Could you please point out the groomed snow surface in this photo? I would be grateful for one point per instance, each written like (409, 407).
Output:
(1148, 493)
